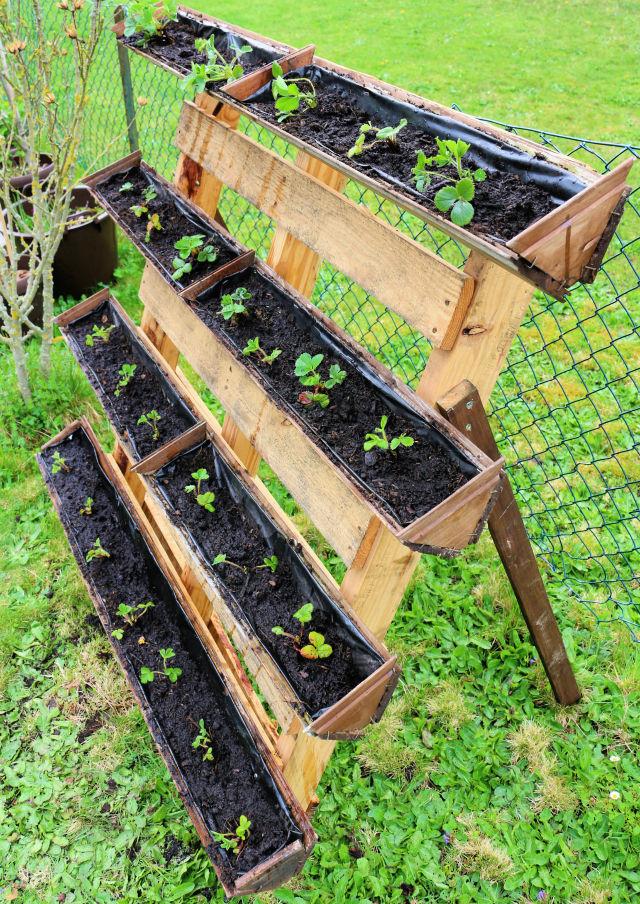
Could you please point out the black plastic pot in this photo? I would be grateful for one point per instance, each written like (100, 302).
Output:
(22, 184)
(88, 252)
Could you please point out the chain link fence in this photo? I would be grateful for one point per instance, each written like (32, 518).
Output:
(565, 410)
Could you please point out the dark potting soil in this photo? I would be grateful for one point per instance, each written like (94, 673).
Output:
(230, 785)
(504, 204)
(175, 47)
(145, 392)
(266, 598)
(406, 483)
(175, 224)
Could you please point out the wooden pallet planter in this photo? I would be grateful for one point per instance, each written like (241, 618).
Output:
(277, 848)
(307, 467)
(564, 245)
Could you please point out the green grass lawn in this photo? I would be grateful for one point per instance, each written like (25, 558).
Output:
(476, 787)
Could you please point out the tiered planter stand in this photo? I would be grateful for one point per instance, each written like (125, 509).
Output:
(470, 317)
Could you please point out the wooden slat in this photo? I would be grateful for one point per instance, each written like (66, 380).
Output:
(399, 272)
(499, 304)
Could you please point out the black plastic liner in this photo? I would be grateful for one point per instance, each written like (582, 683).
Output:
(138, 355)
(224, 39)
(321, 335)
(166, 194)
(366, 659)
(487, 152)
(162, 590)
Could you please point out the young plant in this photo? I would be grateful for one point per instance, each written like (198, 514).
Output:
(388, 135)
(147, 675)
(191, 248)
(131, 614)
(316, 648)
(59, 464)
(303, 615)
(306, 370)
(126, 374)
(270, 562)
(153, 225)
(151, 419)
(216, 68)
(236, 840)
(126, 187)
(221, 559)
(379, 439)
(144, 19)
(206, 500)
(87, 508)
(203, 742)
(99, 334)
(97, 551)
(288, 93)
(139, 210)
(454, 199)
(149, 194)
(232, 304)
(253, 347)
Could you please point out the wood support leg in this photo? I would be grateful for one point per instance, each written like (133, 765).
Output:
(464, 409)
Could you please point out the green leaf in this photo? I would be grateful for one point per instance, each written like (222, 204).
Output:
(462, 213)
(446, 198)
(466, 189)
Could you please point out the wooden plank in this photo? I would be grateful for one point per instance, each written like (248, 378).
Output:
(498, 306)
(291, 259)
(159, 339)
(376, 582)
(463, 406)
(399, 272)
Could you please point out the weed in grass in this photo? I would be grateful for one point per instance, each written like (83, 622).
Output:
(447, 704)
(478, 854)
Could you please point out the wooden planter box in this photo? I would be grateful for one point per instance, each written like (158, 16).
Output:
(195, 221)
(203, 667)
(76, 321)
(367, 699)
(563, 246)
(316, 477)
(203, 26)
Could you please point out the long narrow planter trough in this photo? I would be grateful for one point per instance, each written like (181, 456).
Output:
(242, 778)
(152, 387)
(121, 186)
(335, 697)
(434, 496)
(540, 213)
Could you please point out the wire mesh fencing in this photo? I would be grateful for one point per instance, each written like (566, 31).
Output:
(566, 407)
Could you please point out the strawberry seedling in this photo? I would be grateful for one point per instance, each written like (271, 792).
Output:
(216, 68)
(143, 18)
(191, 248)
(151, 419)
(379, 439)
(126, 187)
(87, 508)
(222, 559)
(316, 648)
(236, 840)
(388, 135)
(205, 500)
(231, 304)
(97, 551)
(99, 334)
(270, 562)
(59, 464)
(306, 369)
(147, 675)
(153, 225)
(126, 374)
(454, 199)
(289, 94)
(203, 742)
(253, 347)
